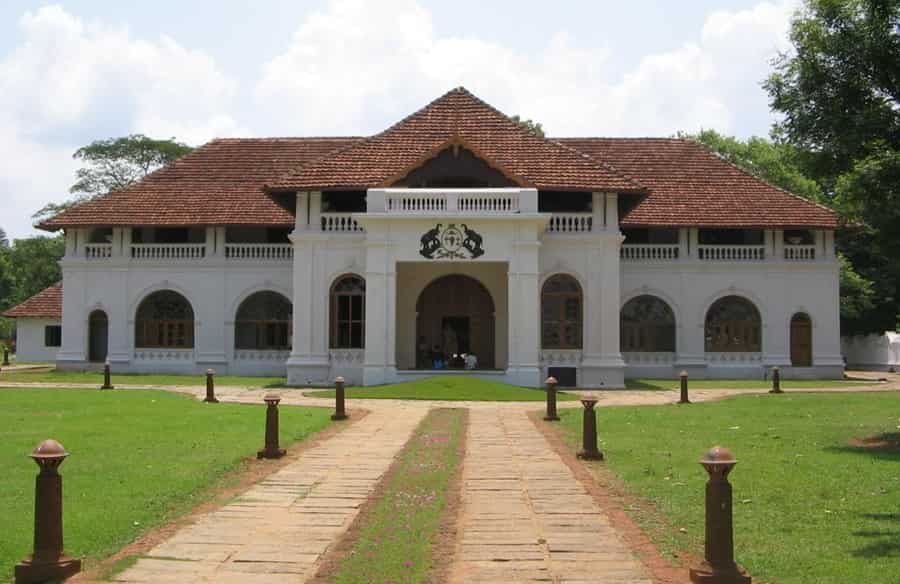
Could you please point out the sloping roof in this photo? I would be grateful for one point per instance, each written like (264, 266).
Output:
(45, 304)
(457, 117)
(216, 184)
(691, 186)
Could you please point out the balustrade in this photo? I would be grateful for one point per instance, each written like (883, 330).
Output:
(259, 251)
(732, 253)
(168, 251)
(98, 251)
(340, 223)
(799, 253)
(570, 223)
(649, 252)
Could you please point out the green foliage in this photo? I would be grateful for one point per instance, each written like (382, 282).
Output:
(26, 268)
(113, 164)
(535, 128)
(809, 507)
(675, 383)
(141, 379)
(4, 240)
(138, 460)
(839, 94)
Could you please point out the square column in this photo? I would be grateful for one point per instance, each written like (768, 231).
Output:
(602, 365)
(524, 313)
(380, 362)
(309, 360)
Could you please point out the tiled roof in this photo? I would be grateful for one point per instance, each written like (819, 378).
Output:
(45, 304)
(691, 186)
(216, 184)
(457, 117)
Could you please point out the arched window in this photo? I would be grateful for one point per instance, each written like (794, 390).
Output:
(647, 325)
(263, 323)
(164, 319)
(348, 313)
(733, 325)
(561, 313)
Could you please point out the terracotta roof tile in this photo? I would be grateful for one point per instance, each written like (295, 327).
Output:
(45, 304)
(457, 117)
(691, 186)
(216, 184)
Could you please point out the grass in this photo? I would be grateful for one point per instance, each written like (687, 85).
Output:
(809, 507)
(449, 389)
(96, 378)
(397, 536)
(138, 459)
(667, 384)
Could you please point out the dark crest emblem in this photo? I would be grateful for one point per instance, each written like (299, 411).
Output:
(454, 242)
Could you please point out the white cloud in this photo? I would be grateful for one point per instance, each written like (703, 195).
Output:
(70, 82)
(357, 63)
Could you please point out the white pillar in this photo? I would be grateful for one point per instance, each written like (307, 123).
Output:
(602, 364)
(612, 211)
(380, 362)
(309, 362)
(315, 211)
(524, 313)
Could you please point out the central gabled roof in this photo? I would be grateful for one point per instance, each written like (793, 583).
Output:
(456, 118)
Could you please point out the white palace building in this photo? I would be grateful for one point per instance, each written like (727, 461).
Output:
(455, 231)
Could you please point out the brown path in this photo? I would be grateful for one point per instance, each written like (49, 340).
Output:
(526, 518)
(279, 529)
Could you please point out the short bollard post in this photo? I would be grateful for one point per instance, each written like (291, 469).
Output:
(551, 415)
(776, 380)
(339, 412)
(271, 449)
(589, 450)
(718, 566)
(210, 387)
(684, 388)
(48, 563)
(5, 356)
(107, 381)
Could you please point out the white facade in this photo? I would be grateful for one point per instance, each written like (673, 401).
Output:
(31, 340)
(876, 352)
(522, 248)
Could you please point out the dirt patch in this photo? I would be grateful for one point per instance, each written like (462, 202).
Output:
(445, 544)
(888, 442)
(249, 472)
(614, 498)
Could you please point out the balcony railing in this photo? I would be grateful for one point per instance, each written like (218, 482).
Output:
(98, 251)
(570, 223)
(259, 251)
(799, 253)
(500, 201)
(168, 251)
(652, 252)
(340, 223)
(732, 253)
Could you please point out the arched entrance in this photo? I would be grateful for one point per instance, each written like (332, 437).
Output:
(801, 340)
(98, 336)
(455, 316)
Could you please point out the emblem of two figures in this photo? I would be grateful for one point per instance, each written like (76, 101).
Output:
(451, 242)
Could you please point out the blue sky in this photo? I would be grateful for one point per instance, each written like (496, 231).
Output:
(76, 71)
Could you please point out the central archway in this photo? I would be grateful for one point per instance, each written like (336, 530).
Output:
(455, 316)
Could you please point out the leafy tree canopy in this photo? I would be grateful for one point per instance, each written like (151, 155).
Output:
(530, 125)
(115, 163)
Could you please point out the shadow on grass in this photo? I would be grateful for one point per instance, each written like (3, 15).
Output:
(886, 542)
(885, 446)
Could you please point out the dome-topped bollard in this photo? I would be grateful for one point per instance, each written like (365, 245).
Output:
(551, 415)
(718, 566)
(683, 376)
(340, 412)
(589, 449)
(48, 563)
(271, 449)
(210, 387)
(107, 376)
(776, 380)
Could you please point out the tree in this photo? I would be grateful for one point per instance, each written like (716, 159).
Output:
(33, 266)
(839, 93)
(530, 125)
(4, 241)
(113, 164)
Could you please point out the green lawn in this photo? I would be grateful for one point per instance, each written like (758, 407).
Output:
(138, 459)
(96, 378)
(742, 383)
(447, 388)
(809, 507)
(396, 539)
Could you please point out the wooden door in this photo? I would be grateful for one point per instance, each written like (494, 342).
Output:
(98, 337)
(801, 340)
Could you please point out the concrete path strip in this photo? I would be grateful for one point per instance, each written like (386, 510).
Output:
(526, 518)
(278, 529)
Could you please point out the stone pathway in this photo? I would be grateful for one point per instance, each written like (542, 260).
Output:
(525, 517)
(278, 530)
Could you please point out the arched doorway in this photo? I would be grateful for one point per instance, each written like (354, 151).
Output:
(98, 336)
(801, 340)
(455, 316)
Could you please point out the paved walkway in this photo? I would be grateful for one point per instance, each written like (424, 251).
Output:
(279, 529)
(525, 517)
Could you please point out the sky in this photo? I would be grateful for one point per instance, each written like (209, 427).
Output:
(77, 71)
